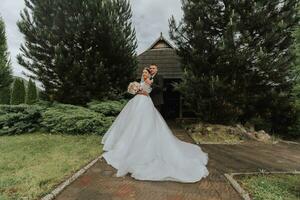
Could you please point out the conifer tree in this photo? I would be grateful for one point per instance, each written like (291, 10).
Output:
(5, 67)
(31, 96)
(237, 59)
(18, 92)
(79, 50)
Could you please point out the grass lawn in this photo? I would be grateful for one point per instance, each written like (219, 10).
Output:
(32, 164)
(272, 187)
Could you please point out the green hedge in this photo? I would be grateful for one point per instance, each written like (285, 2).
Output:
(107, 108)
(69, 119)
(17, 119)
(59, 118)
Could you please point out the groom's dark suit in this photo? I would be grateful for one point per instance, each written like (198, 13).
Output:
(157, 90)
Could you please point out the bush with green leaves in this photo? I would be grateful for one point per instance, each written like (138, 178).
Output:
(18, 119)
(107, 108)
(58, 118)
(70, 119)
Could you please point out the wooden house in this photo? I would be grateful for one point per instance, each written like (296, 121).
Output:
(162, 53)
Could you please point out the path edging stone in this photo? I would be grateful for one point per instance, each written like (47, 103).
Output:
(289, 142)
(70, 180)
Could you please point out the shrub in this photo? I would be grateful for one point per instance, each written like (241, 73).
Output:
(70, 119)
(58, 118)
(17, 119)
(107, 108)
(260, 123)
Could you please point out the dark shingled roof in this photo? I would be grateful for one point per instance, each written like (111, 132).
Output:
(162, 53)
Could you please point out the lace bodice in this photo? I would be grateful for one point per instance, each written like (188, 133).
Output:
(146, 87)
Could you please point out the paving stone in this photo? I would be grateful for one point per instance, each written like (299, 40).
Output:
(99, 182)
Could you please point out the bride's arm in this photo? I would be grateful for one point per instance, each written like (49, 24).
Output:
(148, 81)
(143, 92)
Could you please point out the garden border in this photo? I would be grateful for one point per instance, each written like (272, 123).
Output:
(245, 195)
(289, 142)
(216, 143)
(70, 180)
(243, 142)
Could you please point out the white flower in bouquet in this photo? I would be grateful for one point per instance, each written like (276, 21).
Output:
(133, 87)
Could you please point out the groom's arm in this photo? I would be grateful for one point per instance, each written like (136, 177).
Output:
(158, 84)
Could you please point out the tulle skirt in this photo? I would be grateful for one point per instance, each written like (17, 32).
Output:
(140, 142)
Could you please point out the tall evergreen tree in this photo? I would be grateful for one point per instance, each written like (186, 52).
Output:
(80, 49)
(31, 95)
(5, 68)
(295, 128)
(18, 92)
(237, 57)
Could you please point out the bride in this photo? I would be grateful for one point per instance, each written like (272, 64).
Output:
(141, 143)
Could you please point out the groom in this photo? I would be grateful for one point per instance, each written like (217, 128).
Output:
(157, 87)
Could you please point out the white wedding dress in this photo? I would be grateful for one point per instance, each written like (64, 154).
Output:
(141, 143)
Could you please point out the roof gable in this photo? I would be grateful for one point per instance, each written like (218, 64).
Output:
(161, 43)
(162, 53)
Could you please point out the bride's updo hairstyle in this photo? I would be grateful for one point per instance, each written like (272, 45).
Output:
(147, 68)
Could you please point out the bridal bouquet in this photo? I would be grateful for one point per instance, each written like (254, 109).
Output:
(133, 87)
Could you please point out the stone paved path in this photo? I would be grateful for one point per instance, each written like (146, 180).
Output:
(100, 183)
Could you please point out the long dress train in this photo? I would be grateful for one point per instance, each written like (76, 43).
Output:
(141, 143)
